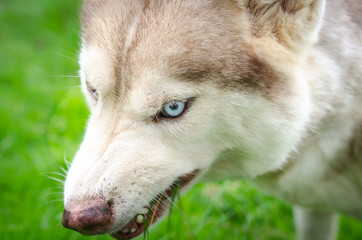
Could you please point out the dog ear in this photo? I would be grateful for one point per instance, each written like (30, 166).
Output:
(294, 23)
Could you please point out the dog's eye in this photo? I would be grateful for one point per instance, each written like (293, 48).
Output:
(93, 92)
(173, 109)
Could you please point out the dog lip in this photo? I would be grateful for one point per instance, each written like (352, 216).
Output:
(134, 229)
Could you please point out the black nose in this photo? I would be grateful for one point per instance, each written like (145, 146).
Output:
(88, 217)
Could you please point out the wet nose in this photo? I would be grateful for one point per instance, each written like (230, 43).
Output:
(88, 217)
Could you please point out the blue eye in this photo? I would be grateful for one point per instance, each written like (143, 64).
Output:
(173, 109)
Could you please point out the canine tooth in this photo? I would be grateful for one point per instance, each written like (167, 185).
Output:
(133, 230)
(143, 211)
(126, 230)
(139, 219)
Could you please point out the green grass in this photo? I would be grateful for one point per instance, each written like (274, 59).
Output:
(42, 119)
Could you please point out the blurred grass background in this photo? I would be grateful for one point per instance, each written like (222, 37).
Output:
(42, 119)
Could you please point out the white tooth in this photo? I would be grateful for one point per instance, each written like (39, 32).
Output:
(126, 230)
(139, 219)
(143, 211)
(133, 229)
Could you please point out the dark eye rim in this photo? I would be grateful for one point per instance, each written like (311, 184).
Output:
(160, 116)
(92, 91)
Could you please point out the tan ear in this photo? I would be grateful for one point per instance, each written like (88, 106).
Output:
(294, 23)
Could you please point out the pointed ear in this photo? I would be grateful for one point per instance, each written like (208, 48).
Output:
(294, 23)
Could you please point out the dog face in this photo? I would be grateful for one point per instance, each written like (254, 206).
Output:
(176, 89)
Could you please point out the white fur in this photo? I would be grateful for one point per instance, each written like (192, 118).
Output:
(288, 142)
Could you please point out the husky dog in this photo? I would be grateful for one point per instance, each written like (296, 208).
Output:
(183, 91)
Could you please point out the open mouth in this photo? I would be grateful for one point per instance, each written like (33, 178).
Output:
(149, 215)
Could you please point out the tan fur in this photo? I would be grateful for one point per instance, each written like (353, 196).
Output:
(276, 88)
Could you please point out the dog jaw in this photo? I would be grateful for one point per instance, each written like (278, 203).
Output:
(248, 112)
(129, 160)
(130, 174)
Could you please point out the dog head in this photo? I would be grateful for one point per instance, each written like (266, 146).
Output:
(175, 89)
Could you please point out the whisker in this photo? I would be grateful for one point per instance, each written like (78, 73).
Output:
(48, 195)
(73, 60)
(167, 197)
(57, 188)
(64, 171)
(158, 189)
(64, 76)
(148, 205)
(50, 198)
(56, 173)
(76, 55)
(52, 201)
(53, 193)
(55, 179)
(66, 161)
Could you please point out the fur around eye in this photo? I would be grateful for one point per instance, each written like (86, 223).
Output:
(173, 110)
(92, 91)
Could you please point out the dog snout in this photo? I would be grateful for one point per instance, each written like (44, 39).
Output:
(88, 217)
